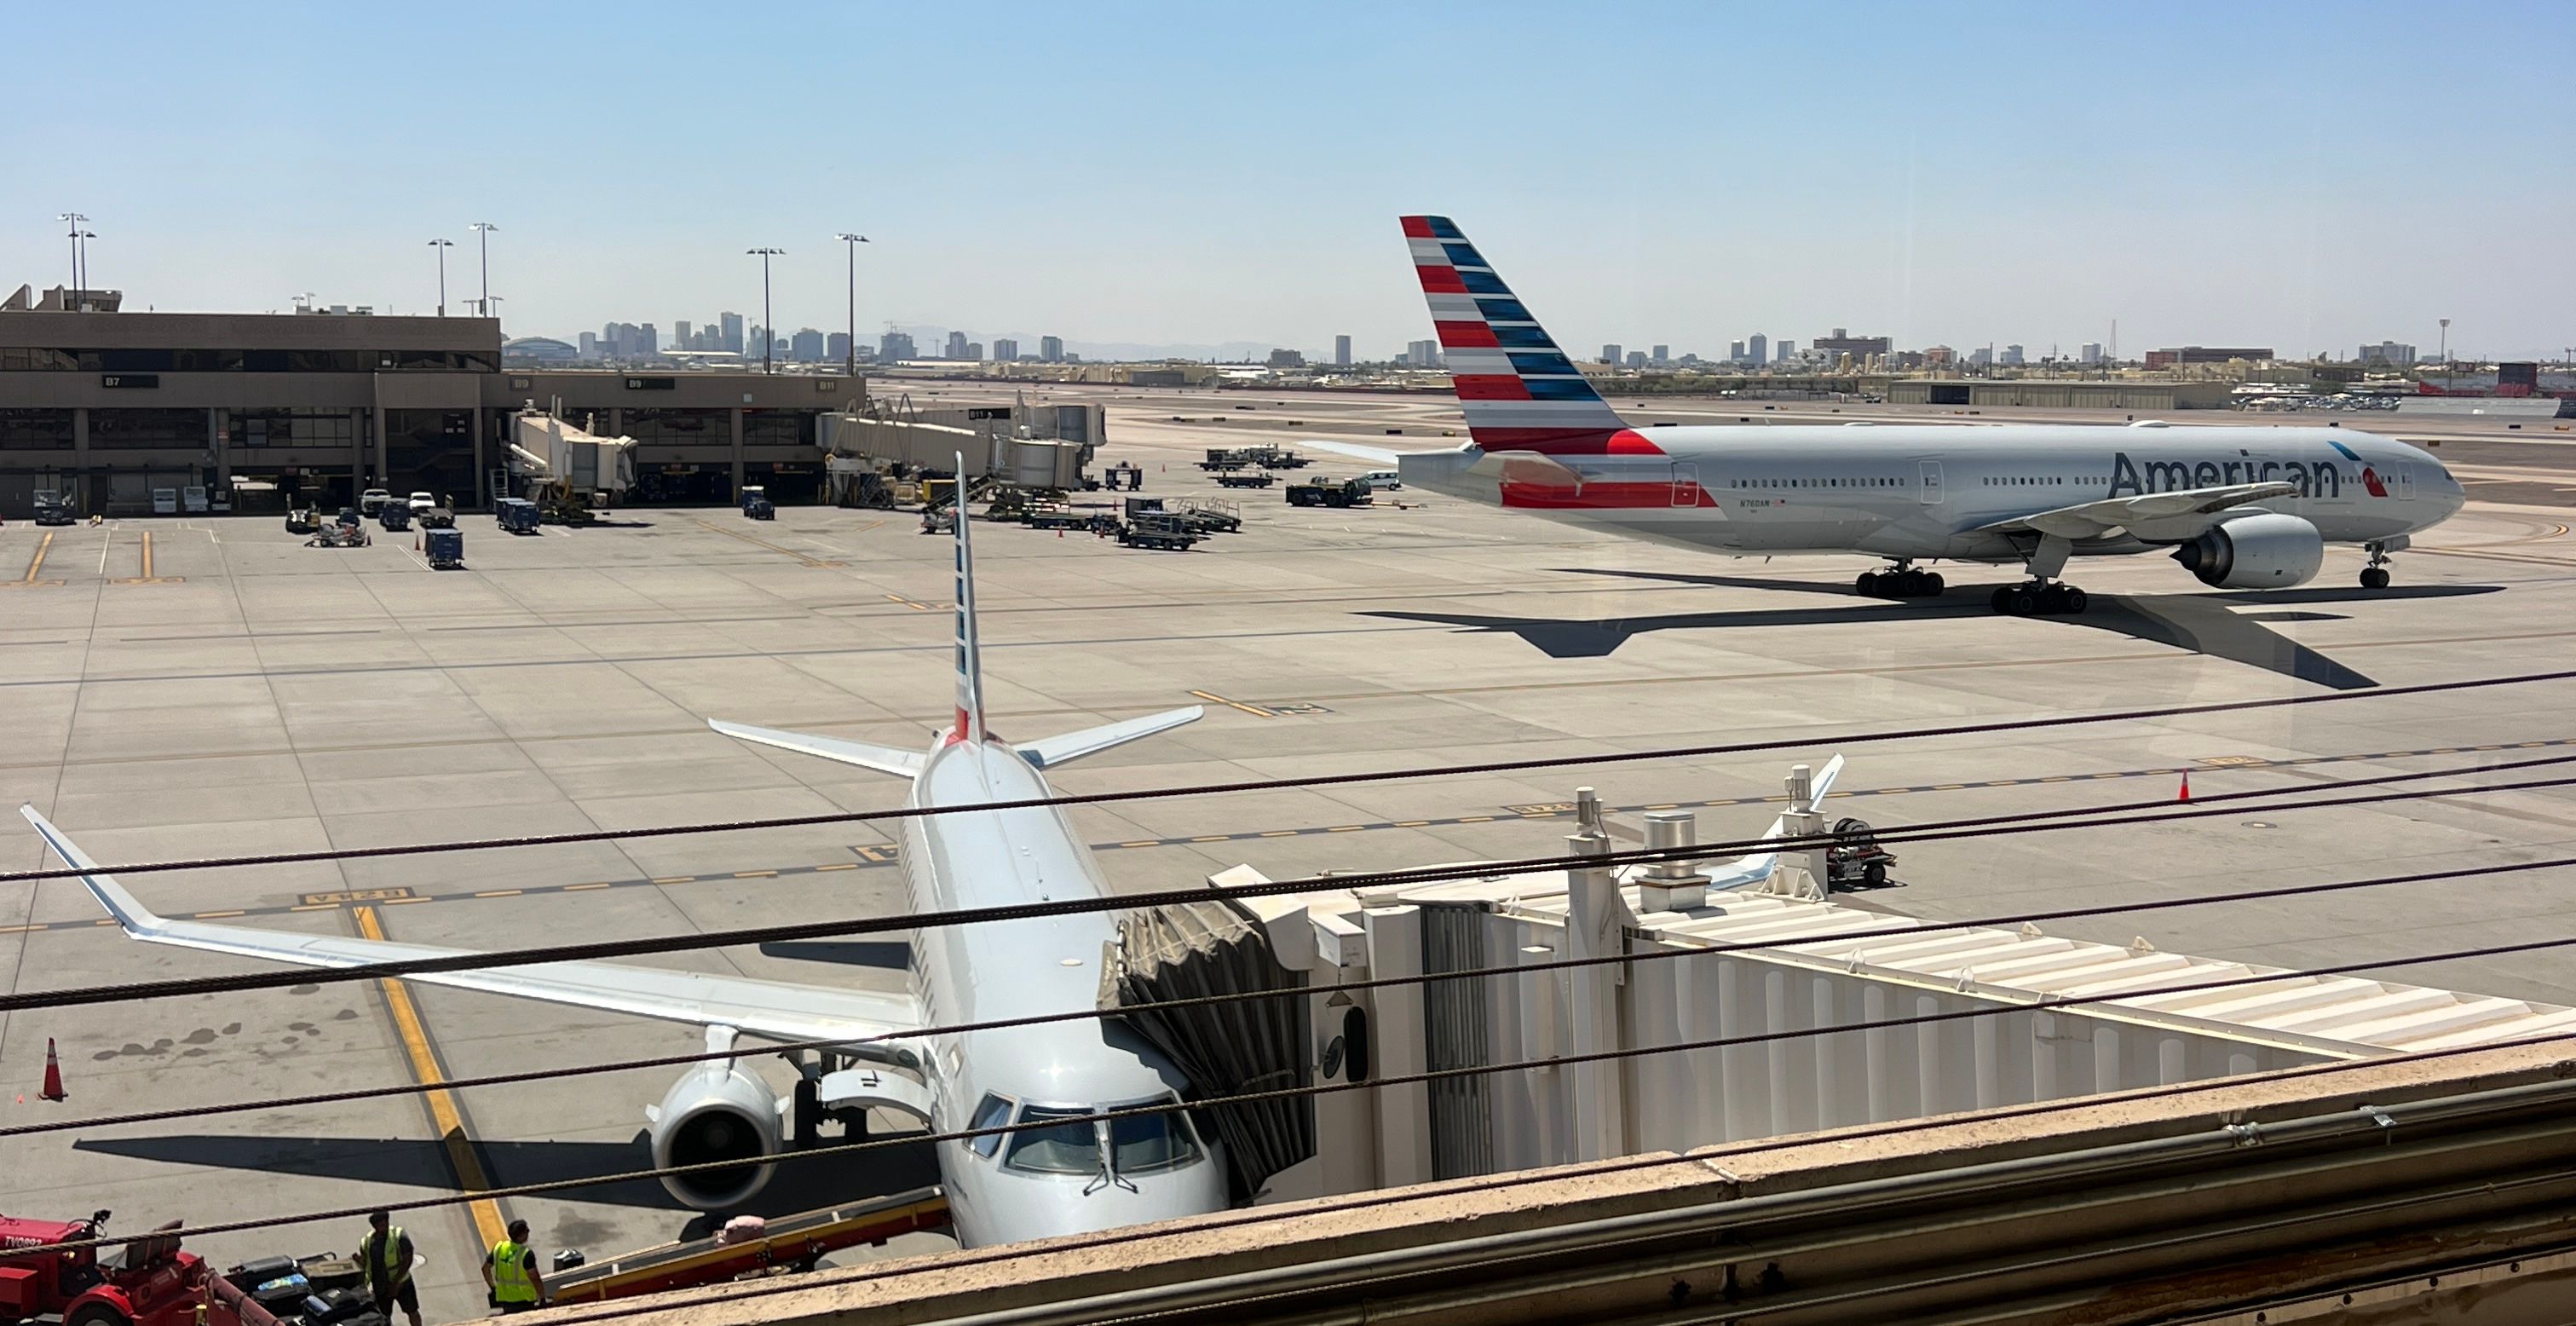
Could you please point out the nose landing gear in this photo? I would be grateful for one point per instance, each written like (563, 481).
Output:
(2040, 598)
(1900, 581)
(2375, 575)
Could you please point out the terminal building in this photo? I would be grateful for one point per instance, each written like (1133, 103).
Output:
(315, 406)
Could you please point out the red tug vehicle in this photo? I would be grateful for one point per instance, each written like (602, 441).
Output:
(146, 1282)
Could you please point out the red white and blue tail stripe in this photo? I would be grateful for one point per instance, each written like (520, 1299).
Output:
(1519, 390)
(970, 665)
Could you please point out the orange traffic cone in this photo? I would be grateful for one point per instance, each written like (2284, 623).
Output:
(53, 1075)
(2186, 786)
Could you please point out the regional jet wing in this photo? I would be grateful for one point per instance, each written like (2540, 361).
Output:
(2091, 520)
(773, 1009)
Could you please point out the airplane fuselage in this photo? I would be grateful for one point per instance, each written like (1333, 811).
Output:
(1032, 1184)
(1925, 491)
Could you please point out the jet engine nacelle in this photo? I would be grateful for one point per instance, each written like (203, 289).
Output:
(720, 1111)
(2265, 551)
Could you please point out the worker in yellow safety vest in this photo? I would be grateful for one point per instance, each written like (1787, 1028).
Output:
(387, 1254)
(510, 1272)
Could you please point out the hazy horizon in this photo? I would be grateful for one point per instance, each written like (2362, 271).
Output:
(2308, 179)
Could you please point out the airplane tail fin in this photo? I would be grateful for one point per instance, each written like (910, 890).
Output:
(1520, 392)
(970, 663)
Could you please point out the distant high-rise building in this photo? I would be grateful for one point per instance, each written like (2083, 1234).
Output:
(956, 345)
(732, 324)
(895, 347)
(1735, 352)
(974, 352)
(2090, 354)
(1757, 349)
(1051, 349)
(680, 336)
(806, 347)
(589, 346)
(837, 346)
(1006, 351)
(1844, 343)
(1636, 359)
(1341, 352)
(2012, 356)
(1982, 357)
(1938, 356)
(1784, 352)
(2388, 352)
(1610, 354)
(1422, 354)
(1660, 356)
(1287, 359)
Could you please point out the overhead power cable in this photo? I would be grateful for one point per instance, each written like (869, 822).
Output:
(1318, 780)
(2048, 1003)
(1905, 931)
(1982, 827)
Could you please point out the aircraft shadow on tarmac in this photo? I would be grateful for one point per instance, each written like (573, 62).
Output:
(797, 1185)
(2199, 623)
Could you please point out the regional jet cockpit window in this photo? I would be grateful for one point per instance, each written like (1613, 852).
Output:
(1135, 1144)
(990, 1112)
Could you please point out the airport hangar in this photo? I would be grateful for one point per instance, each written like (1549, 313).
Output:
(111, 405)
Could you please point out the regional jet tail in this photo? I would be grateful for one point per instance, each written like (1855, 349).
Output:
(1077, 1173)
(2240, 508)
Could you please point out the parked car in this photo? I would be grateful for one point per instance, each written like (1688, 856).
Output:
(373, 500)
(421, 502)
(1380, 480)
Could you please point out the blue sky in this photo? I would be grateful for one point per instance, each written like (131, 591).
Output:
(2301, 176)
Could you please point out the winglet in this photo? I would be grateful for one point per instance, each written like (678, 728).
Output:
(970, 663)
(133, 916)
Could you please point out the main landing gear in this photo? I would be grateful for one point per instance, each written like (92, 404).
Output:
(2040, 598)
(2375, 575)
(1900, 581)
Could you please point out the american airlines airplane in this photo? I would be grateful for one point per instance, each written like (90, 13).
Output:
(1075, 1176)
(2240, 508)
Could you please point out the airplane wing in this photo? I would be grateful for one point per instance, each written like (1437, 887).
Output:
(774, 1009)
(2090, 520)
(866, 755)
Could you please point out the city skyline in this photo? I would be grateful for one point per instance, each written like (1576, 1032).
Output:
(2233, 178)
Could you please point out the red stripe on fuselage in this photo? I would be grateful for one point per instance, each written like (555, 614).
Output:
(1647, 496)
(1441, 281)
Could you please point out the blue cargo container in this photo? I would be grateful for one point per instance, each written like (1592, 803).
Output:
(446, 549)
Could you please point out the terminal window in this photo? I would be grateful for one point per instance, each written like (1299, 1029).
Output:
(35, 430)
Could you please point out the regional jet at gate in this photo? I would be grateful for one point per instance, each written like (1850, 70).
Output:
(2240, 508)
(1072, 1175)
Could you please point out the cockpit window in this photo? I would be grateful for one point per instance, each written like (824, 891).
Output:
(1143, 1143)
(990, 1112)
(1065, 1148)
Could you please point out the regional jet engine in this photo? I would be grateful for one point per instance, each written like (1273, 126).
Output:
(2263, 551)
(718, 1112)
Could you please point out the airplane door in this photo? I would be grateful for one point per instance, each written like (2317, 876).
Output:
(1685, 485)
(1928, 491)
(2405, 479)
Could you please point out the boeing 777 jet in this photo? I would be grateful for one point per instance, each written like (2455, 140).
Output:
(2239, 507)
(1063, 1172)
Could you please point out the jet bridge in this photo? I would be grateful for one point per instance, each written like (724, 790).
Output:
(1819, 965)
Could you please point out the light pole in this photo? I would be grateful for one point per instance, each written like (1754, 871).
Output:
(853, 242)
(768, 325)
(75, 219)
(442, 245)
(83, 239)
(484, 229)
(2446, 355)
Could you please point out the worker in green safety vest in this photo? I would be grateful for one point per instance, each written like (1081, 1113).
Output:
(510, 1272)
(387, 1255)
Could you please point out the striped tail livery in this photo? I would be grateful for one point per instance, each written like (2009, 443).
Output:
(1519, 390)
